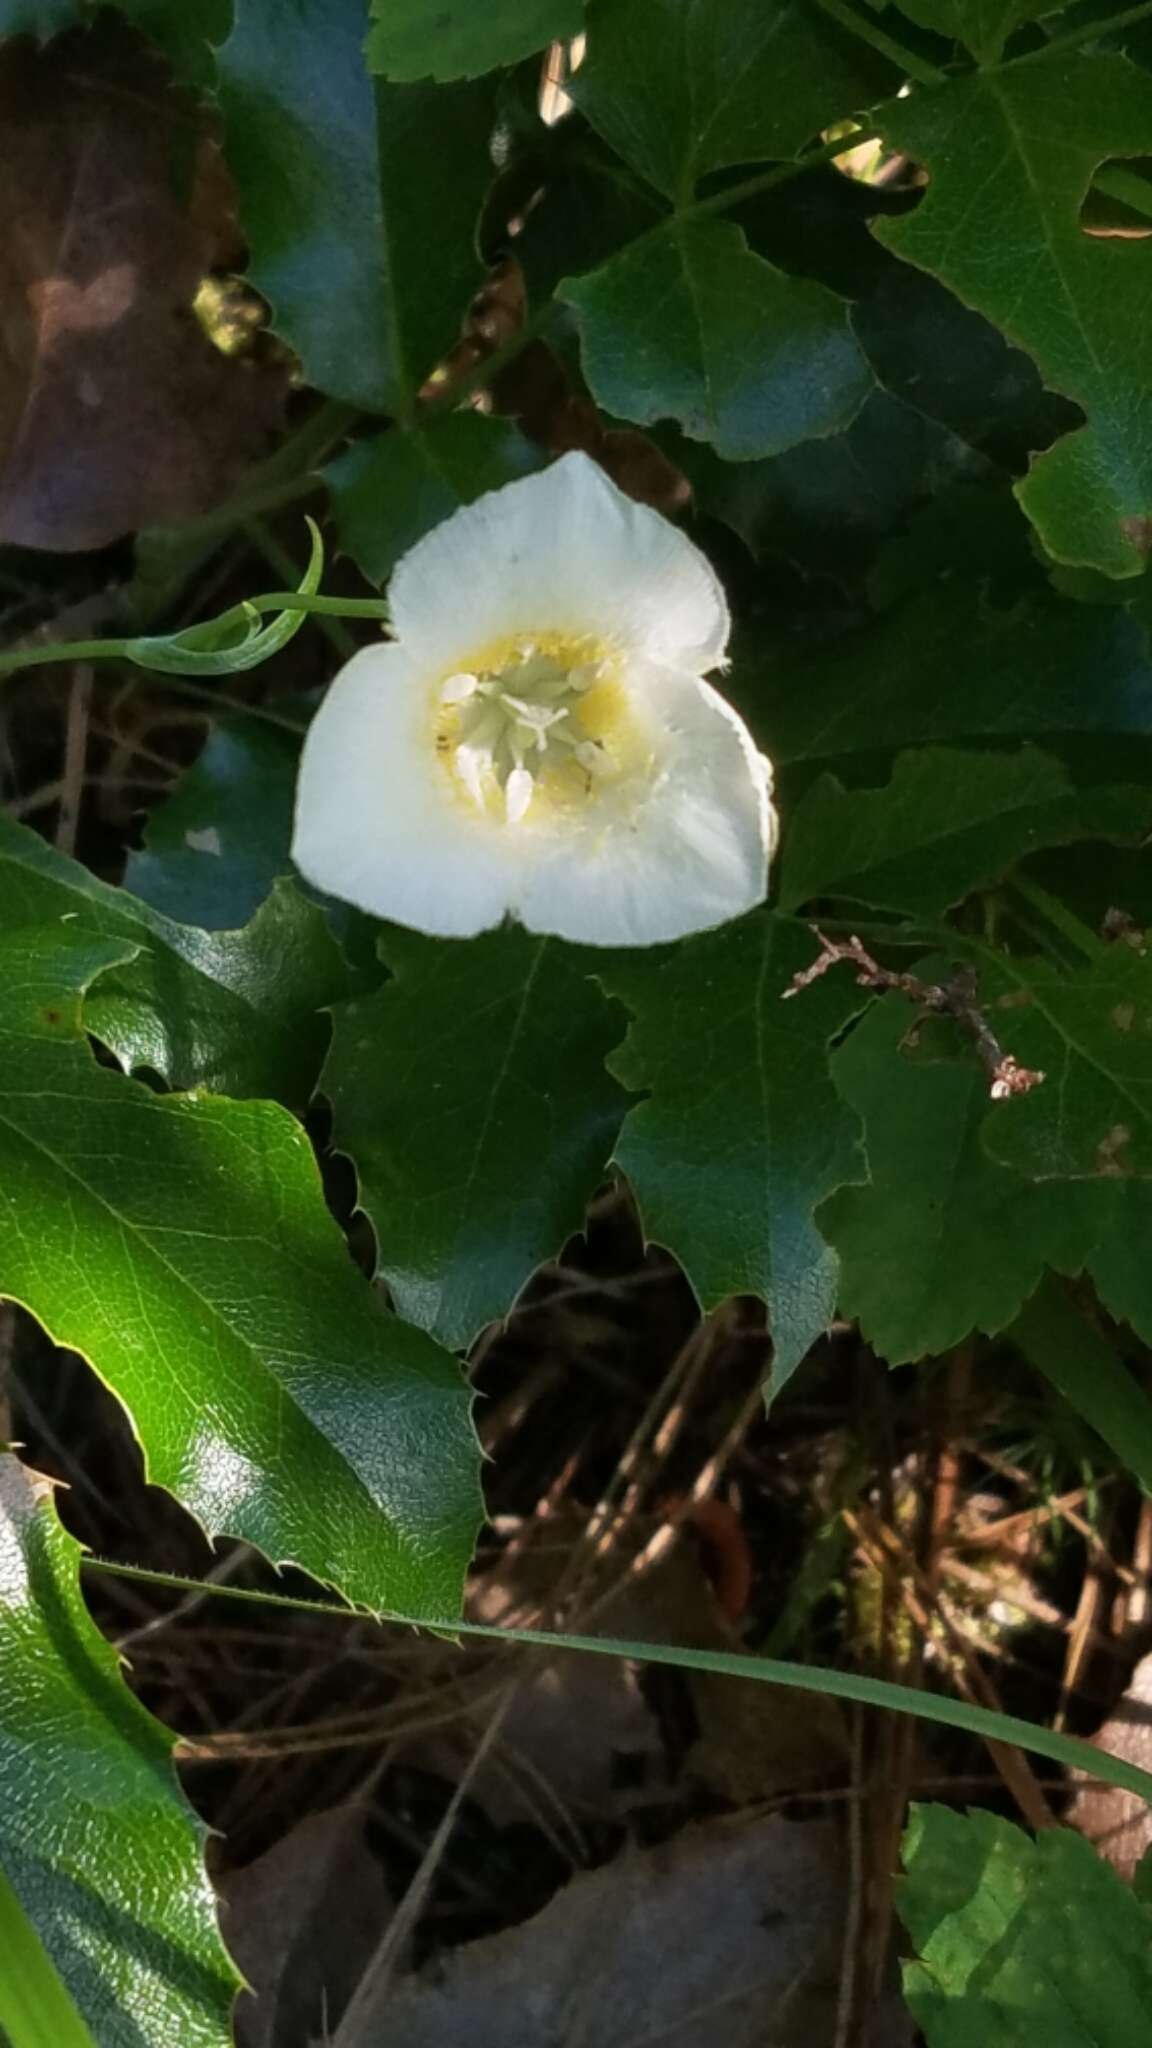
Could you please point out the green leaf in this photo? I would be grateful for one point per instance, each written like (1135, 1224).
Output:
(1020, 1940)
(984, 25)
(346, 195)
(829, 504)
(269, 1390)
(947, 824)
(188, 34)
(1075, 302)
(458, 39)
(388, 492)
(185, 33)
(945, 666)
(681, 87)
(234, 1011)
(942, 1240)
(41, 18)
(1064, 1346)
(1089, 1030)
(742, 1133)
(95, 1838)
(688, 324)
(214, 848)
(471, 1095)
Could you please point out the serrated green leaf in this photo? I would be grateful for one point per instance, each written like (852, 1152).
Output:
(1089, 1031)
(346, 192)
(688, 324)
(270, 1392)
(943, 1240)
(948, 823)
(214, 848)
(681, 87)
(984, 25)
(387, 492)
(234, 1011)
(1075, 302)
(471, 1095)
(946, 666)
(95, 1838)
(828, 504)
(458, 39)
(742, 1133)
(1020, 1940)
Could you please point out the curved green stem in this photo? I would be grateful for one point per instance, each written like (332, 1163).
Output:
(1068, 1750)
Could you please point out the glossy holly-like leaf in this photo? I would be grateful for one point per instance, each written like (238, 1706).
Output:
(947, 666)
(233, 1011)
(1020, 1939)
(688, 324)
(949, 822)
(943, 1240)
(741, 1134)
(388, 491)
(471, 1096)
(458, 39)
(681, 87)
(1076, 302)
(983, 25)
(1088, 1029)
(214, 849)
(95, 1838)
(347, 194)
(270, 1391)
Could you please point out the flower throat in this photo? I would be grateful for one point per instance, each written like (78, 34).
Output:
(530, 724)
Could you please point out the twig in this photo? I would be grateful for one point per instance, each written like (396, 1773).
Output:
(955, 998)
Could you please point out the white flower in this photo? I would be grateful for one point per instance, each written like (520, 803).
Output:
(538, 740)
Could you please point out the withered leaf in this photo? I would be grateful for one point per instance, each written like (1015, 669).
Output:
(116, 410)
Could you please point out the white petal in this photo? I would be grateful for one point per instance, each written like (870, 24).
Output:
(561, 552)
(693, 856)
(376, 821)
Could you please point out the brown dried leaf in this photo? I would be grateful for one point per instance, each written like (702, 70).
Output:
(115, 409)
(730, 1933)
(302, 1922)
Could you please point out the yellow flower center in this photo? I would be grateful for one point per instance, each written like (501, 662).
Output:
(537, 724)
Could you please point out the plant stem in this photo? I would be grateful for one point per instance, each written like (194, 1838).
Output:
(1059, 917)
(845, 1685)
(763, 181)
(915, 67)
(1077, 37)
(277, 557)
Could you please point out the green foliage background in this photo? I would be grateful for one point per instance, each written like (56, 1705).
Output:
(912, 408)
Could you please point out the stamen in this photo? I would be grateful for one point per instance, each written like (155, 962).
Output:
(472, 765)
(459, 688)
(518, 792)
(503, 740)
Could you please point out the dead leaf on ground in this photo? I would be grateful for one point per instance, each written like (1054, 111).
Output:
(731, 1933)
(115, 409)
(302, 1923)
(1119, 1823)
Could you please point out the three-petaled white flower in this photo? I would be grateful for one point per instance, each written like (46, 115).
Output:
(538, 739)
